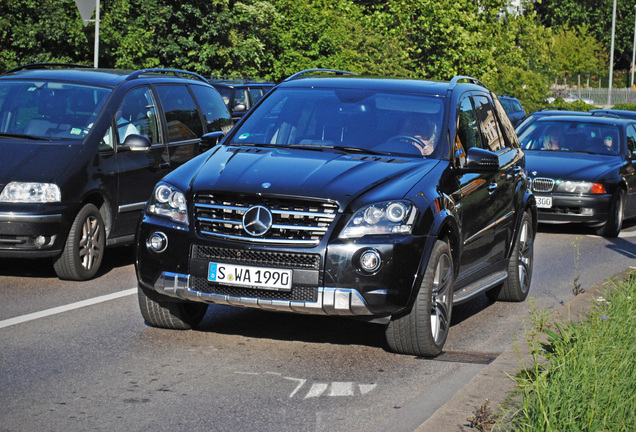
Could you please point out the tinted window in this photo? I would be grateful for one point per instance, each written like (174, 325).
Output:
(137, 115)
(214, 111)
(50, 110)
(488, 124)
(467, 131)
(631, 140)
(182, 115)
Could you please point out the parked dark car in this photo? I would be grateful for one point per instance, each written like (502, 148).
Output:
(82, 149)
(582, 170)
(240, 94)
(513, 108)
(388, 200)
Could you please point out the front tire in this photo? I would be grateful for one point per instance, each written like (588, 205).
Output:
(517, 285)
(84, 248)
(162, 313)
(423, 330)
(615, 218)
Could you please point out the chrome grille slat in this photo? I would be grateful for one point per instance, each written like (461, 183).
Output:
(541, 184)
(298, 222)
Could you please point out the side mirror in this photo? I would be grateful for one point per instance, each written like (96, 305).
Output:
(481, 160)
(209, 140)
(136, 142)
(239, 108)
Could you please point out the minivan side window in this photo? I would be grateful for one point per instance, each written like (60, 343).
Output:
(137, 115)
(182, 115)
(215, 114)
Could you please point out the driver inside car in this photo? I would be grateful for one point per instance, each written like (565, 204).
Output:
(423, 130)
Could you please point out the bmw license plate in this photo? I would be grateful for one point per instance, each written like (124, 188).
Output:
(248, 276)
(544, 202)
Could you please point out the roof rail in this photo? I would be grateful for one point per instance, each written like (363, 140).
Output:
(45, 66)
(310, 71)
(176, 72)
(459, 78)
(605, 114)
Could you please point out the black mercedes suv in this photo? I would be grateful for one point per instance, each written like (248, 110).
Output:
(388, 200)
(82, 149)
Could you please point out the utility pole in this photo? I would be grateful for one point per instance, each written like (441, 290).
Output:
(609, 92)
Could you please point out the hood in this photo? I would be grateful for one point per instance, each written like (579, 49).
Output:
(35, 161)
(571, 166)
(308, 173)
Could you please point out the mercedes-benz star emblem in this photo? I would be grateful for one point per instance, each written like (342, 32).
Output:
(257, 220)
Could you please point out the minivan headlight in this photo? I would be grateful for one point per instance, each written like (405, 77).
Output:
(170, 202)
(31, 192)
(389, 217)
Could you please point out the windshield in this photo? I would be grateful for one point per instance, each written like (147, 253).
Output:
(572, 136)
(346, 119)
(49, 110)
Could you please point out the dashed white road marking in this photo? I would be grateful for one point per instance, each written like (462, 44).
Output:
(316, 390)
(66, 308)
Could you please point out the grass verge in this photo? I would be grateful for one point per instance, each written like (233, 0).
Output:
(583, 377)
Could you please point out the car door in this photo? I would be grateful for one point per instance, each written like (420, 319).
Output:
(137, 171)
(628, 171)
(183, 122)
(473, 196)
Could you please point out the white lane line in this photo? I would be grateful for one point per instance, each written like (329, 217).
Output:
(66, 308)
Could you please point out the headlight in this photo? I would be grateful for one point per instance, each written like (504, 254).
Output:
(25, 192)
(580, 188)
(169, 202)
(390, 217)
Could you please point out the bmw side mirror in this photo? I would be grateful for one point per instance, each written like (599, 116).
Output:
(136, 142)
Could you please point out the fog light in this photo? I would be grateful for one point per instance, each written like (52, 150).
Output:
(587, 211)
(157, 242)
(40, 241)
(370, 261)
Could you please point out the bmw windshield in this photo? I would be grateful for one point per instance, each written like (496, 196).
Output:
(572, 136)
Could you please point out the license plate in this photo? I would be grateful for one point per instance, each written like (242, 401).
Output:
(248, 276)
(544, 202)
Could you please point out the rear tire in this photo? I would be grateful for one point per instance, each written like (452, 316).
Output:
(517, 285)
(84, 248)
(176, 315)
(615, 218)
(423, 330)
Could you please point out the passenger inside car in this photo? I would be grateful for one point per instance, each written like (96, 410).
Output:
(552, 140)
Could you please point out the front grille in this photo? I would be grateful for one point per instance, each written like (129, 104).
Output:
(297, 293)
(541, 184)
(294, 221)
(258, 258)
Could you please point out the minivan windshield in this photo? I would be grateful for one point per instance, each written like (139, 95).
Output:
(49, 109)
(346, 119)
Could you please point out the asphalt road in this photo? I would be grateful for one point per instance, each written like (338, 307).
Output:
(78, 356)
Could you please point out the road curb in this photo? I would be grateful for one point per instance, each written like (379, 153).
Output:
(494, 382)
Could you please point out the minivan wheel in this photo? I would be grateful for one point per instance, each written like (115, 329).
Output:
(517, 285)
(423, 330)
(162, 313)
(84, 248)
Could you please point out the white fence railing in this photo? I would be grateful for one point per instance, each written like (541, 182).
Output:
(600, 95)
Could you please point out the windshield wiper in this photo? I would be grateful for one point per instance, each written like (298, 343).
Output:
(345, 149)
(23, 136)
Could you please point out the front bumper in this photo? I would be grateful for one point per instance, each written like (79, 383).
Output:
(27, 235)
(330, 301)
(326, 278)
(589, 209)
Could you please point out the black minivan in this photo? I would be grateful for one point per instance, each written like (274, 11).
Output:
(82, 149)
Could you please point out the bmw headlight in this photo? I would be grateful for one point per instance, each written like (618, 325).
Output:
(30, 192)
(170, 202)
(389, 217)
(573, 187)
